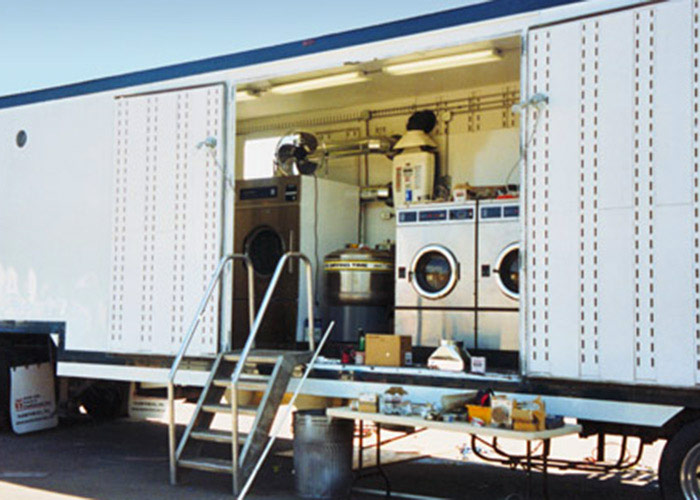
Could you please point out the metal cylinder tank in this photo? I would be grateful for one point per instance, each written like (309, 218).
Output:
(322, 455)
(359, 291)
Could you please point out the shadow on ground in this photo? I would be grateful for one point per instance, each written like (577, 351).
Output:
(127, 459)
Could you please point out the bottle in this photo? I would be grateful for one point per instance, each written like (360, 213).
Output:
(361, 340)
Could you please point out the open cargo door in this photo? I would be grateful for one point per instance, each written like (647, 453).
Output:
(612, 257)
(167, 218)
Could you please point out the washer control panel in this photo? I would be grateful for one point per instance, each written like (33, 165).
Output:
(440, 213)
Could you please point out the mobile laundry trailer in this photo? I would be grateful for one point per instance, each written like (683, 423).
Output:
(113, 221)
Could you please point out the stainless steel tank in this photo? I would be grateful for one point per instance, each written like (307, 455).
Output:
(359, 291)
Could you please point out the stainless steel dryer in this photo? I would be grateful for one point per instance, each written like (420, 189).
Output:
(435, 288)
(498, 275)
(277, 215)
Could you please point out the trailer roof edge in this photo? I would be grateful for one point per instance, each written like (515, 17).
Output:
(405, 27)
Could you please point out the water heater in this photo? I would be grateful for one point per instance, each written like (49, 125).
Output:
(414, 168)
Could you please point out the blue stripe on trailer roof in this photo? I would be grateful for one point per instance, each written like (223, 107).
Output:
(439, 20)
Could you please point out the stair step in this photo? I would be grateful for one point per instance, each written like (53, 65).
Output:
(263, 356)
(207, 464)
(226, 408)
(243, 384)
(216, 436)
(245, 377)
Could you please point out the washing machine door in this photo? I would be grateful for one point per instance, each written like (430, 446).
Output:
(434, 272)
(507, 271)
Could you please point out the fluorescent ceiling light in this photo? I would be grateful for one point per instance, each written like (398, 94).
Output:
(465, 59)
(319, 83)
(244, 95)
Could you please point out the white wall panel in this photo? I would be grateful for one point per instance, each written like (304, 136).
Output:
(562, 235)
(695, 163)
(55, 217)
(615, 297)
(588, 117)
(674, 351)
(619, 226)
(167, 221)
(615, 191)
(536, 263)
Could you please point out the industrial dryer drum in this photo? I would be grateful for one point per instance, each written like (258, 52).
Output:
(359, 291)
(278, 215)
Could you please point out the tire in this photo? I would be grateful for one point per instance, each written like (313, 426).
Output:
(104, 400)
(679, 468)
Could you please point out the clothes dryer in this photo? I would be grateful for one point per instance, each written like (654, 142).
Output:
(277, 215)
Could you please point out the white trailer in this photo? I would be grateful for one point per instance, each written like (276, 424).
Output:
(112, 219)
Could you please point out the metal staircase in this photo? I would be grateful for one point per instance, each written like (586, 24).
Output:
(247, 371)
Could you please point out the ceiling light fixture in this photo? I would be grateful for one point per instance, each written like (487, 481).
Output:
(435, 63)
(319, 83)
(245, 95)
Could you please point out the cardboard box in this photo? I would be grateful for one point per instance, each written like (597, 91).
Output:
(368, 403)
(530, 414)
(388, 350)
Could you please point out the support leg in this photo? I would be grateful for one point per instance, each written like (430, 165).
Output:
(600, 456)
(361, 447)
(379, 460)
(528, 469)
(545, 476)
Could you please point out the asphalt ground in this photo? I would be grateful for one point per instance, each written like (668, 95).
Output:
(127, 459)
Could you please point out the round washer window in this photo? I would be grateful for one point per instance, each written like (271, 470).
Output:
(509, 271)
(265, 248)
(434, 272)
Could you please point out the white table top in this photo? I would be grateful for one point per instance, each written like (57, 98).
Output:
(462, 427)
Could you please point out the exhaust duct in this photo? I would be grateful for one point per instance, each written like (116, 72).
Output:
(301, 152)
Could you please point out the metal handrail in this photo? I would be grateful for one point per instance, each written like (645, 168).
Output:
(251, 342)
(216, 277)
(278, 428)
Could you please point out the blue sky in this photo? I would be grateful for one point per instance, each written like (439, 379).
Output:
(45, 43)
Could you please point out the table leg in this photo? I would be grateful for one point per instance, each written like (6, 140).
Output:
(379, 461)
(528, 469)
(545, 476)
(361, 454)
(378, 470)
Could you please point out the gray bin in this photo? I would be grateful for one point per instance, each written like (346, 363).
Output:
(322, 455)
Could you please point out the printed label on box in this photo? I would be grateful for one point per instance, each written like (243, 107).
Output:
(478, 364)
(32, 398)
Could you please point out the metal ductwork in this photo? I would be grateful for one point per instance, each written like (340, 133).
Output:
(303, 153)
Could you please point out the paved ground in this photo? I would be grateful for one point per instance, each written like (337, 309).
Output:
(126, 459)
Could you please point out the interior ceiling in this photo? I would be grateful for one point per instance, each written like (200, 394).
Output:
(382, 87)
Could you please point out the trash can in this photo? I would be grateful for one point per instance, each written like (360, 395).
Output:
(322, 455)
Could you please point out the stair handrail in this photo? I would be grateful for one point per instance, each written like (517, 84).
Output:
(216, 277)
(276, 431)
(250, 342)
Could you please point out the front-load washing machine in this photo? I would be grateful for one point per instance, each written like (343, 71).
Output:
(498, 237)
(435, 286)
(277, 215)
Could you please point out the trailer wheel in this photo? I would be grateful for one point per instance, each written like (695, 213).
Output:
(679, 470)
